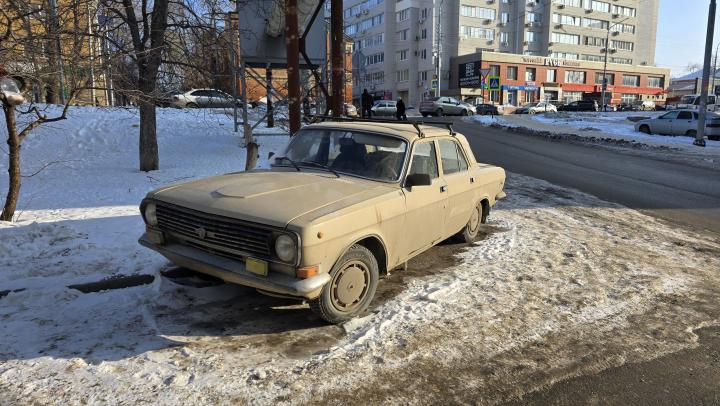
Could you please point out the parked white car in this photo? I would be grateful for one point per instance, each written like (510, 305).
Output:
(680, 122)
(537, 108)
(384, 108)
(203, 98)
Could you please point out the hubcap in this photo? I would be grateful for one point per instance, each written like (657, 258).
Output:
(474, 221)
(349, 286)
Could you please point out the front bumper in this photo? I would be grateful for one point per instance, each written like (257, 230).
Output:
(234, 271)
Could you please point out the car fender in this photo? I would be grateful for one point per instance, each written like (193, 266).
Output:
(362, 236)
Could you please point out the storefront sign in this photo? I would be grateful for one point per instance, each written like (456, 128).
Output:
(541, 60)
(469, 75)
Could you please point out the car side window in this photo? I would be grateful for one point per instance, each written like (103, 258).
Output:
(424, 160)
(685, 115)
(695, 116)
(452, 159)
(198, 93)
(669, 116)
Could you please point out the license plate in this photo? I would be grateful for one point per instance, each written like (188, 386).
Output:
(256, 266)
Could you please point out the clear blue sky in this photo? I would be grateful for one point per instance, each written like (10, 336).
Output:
(681, 33)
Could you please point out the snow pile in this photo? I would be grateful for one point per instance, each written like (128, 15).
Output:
(561, 283)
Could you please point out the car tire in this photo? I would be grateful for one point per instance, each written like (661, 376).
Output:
(425, 114)
(439, 112)
(714, 137)
(691, 133)
(470, 232)
(192, 105)
(464, 113)
(343, 298)
(645, 129)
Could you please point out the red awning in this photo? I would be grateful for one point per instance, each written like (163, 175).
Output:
(573, 87)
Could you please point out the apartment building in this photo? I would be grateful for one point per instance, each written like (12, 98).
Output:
(397, 43)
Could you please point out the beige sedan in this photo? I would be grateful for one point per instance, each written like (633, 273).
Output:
(345, 205)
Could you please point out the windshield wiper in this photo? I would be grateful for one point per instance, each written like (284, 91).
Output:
(319, 165)
(291, 162)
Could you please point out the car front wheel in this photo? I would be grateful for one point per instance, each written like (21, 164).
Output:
(439, 113)
(353, 281)
(645, 129)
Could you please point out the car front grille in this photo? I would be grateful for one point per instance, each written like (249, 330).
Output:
(224, 236)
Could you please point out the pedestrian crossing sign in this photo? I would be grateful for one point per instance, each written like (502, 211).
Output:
(494, 83)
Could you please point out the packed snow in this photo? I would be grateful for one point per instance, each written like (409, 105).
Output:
(560, 284)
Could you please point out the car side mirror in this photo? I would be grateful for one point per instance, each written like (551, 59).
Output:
(270, 155)
(417, 179)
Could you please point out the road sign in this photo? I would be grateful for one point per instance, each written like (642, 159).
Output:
(494, 83)
(434, 84)
(484, 72)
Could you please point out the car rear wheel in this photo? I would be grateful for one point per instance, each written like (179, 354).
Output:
(470, 232)
(645, 129)
(425, 114)
(353, 281)
(192, 105)
(439, 113)
(691, 133)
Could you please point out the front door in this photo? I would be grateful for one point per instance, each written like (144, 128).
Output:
(425, 205)
(683, 123)
(460, 186)
(663, 125)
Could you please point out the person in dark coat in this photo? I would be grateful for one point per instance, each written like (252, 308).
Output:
(400, 113)
(366, 103)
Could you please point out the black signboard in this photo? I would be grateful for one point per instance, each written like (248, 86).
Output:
(469, 75)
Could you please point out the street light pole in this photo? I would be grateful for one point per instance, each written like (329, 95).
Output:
(700, 133)
(604, 78)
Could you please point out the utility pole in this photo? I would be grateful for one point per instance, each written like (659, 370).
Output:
(700, 134)
(604, 80)
(268, 80)
(292, 42)
(438, 35)
(336, 55)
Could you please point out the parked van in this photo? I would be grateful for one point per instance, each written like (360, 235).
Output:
(692, 101)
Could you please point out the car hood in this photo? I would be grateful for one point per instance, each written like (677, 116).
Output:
(272, 197)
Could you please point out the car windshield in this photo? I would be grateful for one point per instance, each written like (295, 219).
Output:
(531, 105)
(374, 156)
(687, 100)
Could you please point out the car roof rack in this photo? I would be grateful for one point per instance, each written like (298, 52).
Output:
(415, 123)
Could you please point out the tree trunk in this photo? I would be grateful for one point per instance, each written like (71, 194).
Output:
(13, 142)
(149, 160)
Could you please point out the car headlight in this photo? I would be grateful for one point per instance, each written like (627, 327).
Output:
(150, 214)
(285, 248)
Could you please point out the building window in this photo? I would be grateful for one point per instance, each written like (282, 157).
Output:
(533, 17)
(476, 32)
(593, 23)
(423, 75)
(375, 58)
(531, 53)
(552, 75)
(494, 70)
(530, 74)
(656, 82)
(504, 38)
(402, 75)
(569, 97)
(504, 18)
(628, 98)
(631, 80)
(424, 13)
(624, 45)
(565, 38)
(357, 9)
(423, 33)
(599, 78)
(565, 19)
(403, 15)
(572, 76)
(531, 36)
(512, 72)
(592, 58)
(402, 35)
(624, 61)
(569, 3)
(565, 55)
(595, 41)
(624, 11)
(477, 12)
(600, 6)
(628, 28)
(402, 55)
(423, 54)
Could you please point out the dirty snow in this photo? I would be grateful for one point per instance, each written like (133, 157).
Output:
(561, 284)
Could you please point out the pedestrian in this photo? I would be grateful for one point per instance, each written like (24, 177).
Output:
(400, 112)
(366, 104)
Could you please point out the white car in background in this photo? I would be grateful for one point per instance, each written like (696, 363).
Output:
(537, 108)
(204, 98)
(680, 122)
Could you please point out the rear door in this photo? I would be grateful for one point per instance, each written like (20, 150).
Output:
(425, 206)
(683, 123)
(460, 185)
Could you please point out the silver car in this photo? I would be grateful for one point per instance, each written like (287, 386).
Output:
(204, 98)
(384, 108)
(444, 106)
(680, 122)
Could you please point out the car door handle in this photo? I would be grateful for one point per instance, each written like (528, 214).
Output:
(443, 188)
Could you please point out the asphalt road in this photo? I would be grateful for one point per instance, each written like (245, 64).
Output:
(682, 194)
